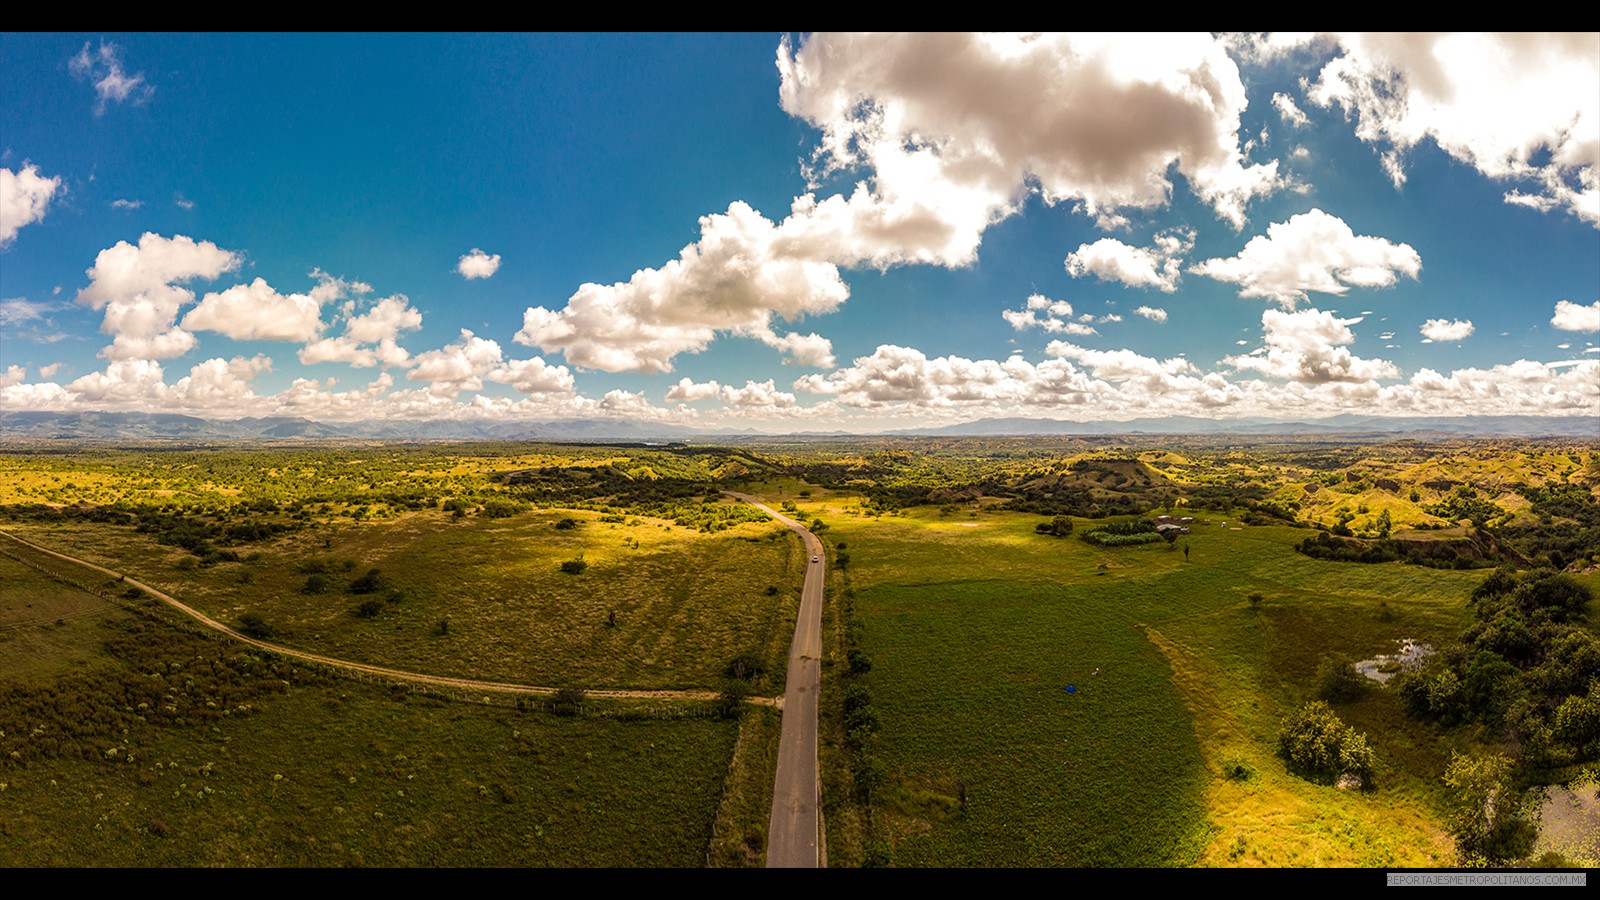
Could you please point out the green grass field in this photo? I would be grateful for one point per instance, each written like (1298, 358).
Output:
(313, 771)
(46, 631)
(976, 625)
(685, 602)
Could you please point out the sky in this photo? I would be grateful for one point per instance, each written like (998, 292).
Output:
(800, 232)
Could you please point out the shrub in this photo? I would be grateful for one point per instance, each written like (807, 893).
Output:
(568, 524)
(567, 701)
(252, 624)
(315, 584)
(497, 508)
(1338, 681)
(730, 703)
(746, 666)
(1317, 744)
(860, 663)
(1060, 526)
(368, 609)
(369, 583)
(1235, 769)
(574, 566)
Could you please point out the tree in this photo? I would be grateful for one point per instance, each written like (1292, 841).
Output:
(1318, 745)
(1490, 819)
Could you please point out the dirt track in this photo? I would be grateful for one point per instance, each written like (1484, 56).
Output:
(379, 671)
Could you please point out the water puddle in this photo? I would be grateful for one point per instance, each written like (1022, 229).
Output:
(1383, 667)
(1569, 823)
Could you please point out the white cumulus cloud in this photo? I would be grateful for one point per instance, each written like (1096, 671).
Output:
(1520, 107)
(466, 364)
(255, 311)
(1446, 329)
(478, 264)
(370, 337)
(1109, 259)
(1575, 317)
(24, 197)
(1051, 315)
(1151, 313)
(1312, 251)
(112, 83)
(688, 390)
(1284, 104)
(1094, 119)
(137, 286)
(753, 394)
(1308, 346)
(736, 279)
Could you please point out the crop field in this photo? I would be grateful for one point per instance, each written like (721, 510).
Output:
(976, 626)
(279, 765)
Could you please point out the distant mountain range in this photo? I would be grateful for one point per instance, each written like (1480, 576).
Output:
(112, 426)
(1453, 426)
(120, 426)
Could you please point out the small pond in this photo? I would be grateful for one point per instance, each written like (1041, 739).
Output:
(1407, 657)
(1569, 823)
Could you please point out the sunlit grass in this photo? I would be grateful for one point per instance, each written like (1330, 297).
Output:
(658, 606)
(976, 624)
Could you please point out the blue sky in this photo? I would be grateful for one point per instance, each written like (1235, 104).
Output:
(800, 232)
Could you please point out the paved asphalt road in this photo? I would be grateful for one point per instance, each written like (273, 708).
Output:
(794, 833)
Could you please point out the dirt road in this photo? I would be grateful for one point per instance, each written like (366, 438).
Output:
(365, 669)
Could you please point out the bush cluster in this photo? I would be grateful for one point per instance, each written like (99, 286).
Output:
(1318, 745)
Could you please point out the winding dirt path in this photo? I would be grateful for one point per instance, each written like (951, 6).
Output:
(380, 671)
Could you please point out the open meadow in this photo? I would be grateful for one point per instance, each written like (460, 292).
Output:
(136, 742)
(1043, 701)
(998, 690)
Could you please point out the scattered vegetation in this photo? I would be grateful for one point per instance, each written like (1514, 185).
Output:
(958, 632)
(1318, 745)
